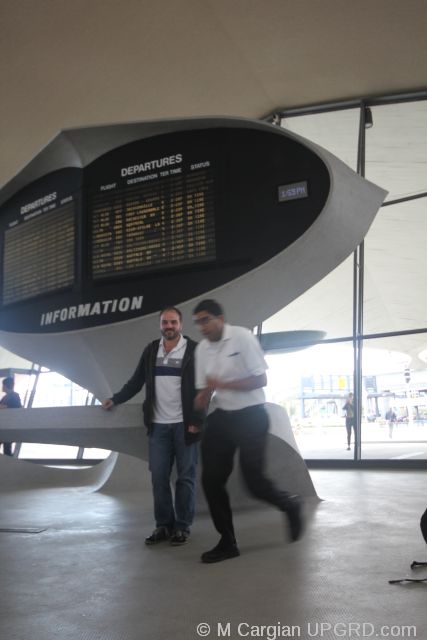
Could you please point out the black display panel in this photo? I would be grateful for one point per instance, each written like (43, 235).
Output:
(155, 220)
(38, 238)
(38, 256)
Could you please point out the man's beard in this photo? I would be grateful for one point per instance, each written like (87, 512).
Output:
(170, 334)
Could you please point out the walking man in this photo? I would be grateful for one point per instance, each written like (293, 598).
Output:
(391, 418)
(349, 418)
(231, 365)
(174, 425)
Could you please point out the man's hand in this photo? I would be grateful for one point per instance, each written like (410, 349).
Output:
(202, 399)
(107, 404)
(193, 429)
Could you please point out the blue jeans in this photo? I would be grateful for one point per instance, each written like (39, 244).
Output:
(167, 445)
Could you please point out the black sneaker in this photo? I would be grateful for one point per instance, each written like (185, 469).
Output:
(293, 509)
(222, 551)
(180, 536)
(159, 535)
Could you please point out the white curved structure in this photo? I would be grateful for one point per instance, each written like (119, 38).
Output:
(121, 430)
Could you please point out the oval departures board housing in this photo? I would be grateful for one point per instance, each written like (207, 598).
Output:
(165, 212)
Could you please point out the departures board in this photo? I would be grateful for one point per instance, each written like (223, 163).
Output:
(39, 255)
(160, 222)
(38, 248)
(153, 222)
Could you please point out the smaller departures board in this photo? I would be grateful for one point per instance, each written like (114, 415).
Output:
(39, 239)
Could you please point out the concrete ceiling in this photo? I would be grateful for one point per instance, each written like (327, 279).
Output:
(70, 63)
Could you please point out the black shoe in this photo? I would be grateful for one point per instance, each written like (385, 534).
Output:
(179, 537)
(159, 535)
(222, 551)
(293, 509)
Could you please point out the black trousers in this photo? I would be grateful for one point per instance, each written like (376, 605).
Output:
(7, 448)
(349, 425)
(423, 524)
(227, 431)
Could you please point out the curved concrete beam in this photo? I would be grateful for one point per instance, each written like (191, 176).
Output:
(118, 430)
(20, 475)
(121, 430)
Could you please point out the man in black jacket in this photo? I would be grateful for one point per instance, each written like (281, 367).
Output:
(166, 368)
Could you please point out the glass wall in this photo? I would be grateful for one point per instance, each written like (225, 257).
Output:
(336, 131)
(396, 399)
(312, 311)
(312, 385)
(391, 373)
(396, 148)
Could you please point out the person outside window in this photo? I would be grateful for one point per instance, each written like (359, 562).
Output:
(391, 418)
(349, 418)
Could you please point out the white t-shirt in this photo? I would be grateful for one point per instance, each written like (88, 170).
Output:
(167, 380)
(236, 356)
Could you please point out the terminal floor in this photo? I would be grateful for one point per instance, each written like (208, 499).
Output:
(89, 576)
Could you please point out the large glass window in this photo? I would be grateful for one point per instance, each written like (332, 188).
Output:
(312, 385)
(391, 373)
(395, 399)
(396, 268)
(336, 131)
(326, 307)
(396, 148)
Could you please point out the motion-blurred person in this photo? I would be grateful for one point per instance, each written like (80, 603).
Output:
(230, 363)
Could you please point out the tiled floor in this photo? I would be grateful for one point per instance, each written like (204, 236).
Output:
(89, 576)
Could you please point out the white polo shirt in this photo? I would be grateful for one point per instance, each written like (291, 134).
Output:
(167, 380)
(236, 356)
